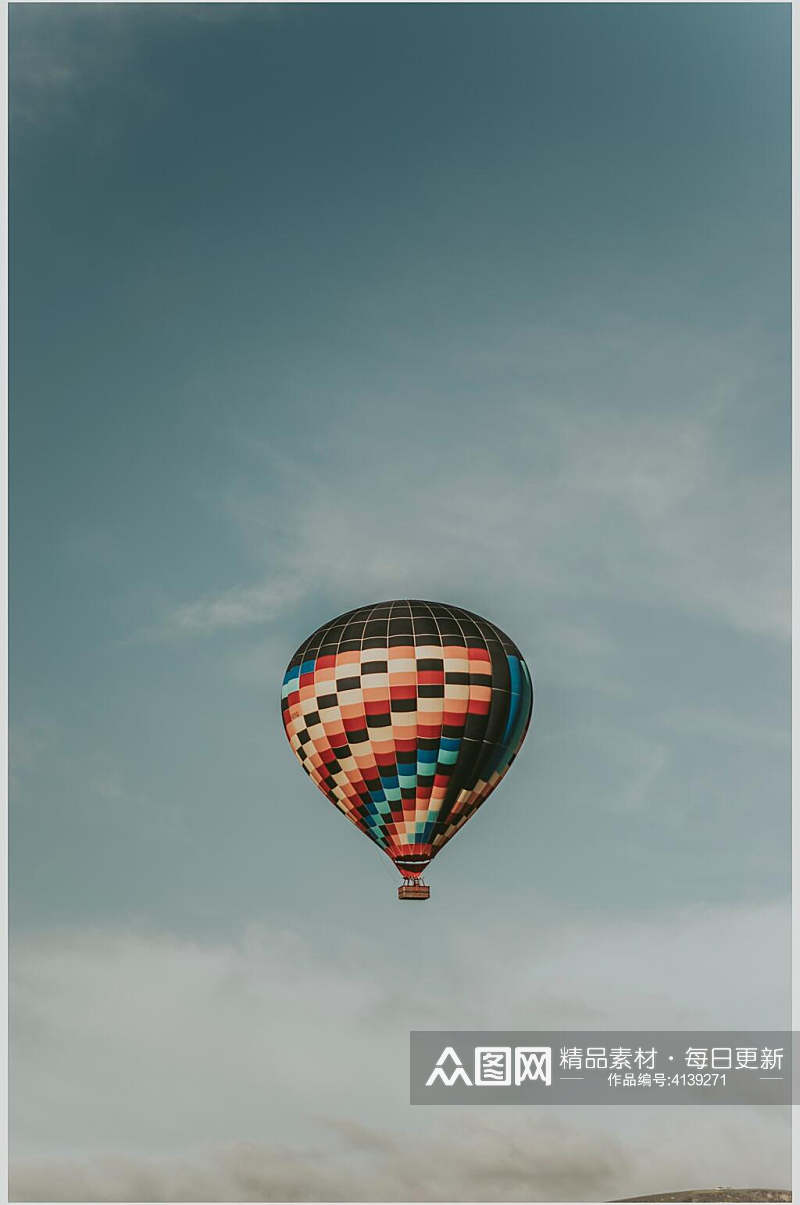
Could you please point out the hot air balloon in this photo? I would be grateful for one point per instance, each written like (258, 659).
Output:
(407, 715)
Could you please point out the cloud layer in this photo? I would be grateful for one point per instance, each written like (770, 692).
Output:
(541, 1160)
(643, 501)
(158, 1068)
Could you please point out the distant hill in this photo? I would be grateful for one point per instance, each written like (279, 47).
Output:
(721, 1194)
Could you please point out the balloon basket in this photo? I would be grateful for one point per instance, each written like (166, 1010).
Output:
(411, 890)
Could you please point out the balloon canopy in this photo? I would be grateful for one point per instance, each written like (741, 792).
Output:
(406, 715)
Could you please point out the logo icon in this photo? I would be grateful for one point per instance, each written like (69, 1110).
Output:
(440, 1073)
(533, 1063)
(495, 1066)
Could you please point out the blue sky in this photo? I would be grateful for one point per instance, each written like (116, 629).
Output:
(315, 305)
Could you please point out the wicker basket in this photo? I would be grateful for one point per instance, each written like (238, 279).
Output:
(413, 891)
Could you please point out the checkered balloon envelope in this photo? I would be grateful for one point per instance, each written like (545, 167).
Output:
(407, 715)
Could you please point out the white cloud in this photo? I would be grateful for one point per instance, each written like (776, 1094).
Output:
(537, 1159)
(174, 1069)
(61, 53)
(235, 608)
(616, 466)
(55, 55)
(645, 511)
